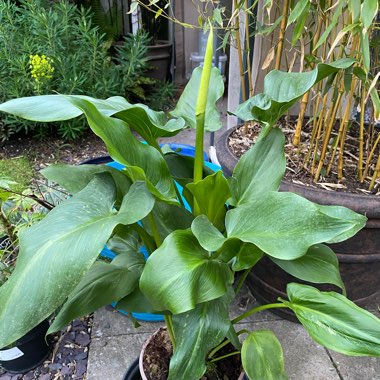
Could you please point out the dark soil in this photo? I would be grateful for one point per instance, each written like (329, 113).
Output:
(159, 351)
(52, 150)
(68, 358)
(241, 140)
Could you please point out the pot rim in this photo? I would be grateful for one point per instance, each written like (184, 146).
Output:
(364, 204)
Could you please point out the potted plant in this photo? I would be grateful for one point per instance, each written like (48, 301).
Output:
(193, 256)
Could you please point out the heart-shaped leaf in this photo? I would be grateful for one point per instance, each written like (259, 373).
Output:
(265, 222)
(334, 321)
(180, 274)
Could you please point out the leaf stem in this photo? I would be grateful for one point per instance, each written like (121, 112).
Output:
(169, 325)
(242, 279)
(154, 228)
(257, 309)
(217, 348)
(225, 356)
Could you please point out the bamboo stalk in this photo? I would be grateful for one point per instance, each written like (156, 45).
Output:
(376, 174)
(361, 136)
(248, 50)
(342, 130)
(281, 36)
(327, 135)
(369, 158)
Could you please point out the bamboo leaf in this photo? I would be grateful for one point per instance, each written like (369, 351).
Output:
(368, 13)
(297, 11)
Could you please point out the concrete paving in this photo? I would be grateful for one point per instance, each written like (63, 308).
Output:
(116, 343)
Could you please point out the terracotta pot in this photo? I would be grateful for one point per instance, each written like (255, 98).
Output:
(359, 256)
(149, 341)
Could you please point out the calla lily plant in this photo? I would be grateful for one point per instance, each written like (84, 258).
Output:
(198, 255)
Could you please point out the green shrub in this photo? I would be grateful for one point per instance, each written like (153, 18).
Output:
(73, 48)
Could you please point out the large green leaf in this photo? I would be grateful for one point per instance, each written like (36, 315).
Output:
(48, 108)
(319, 265)
(75, 178)
(208, 236)
(186, 104)
(197, 332)
(283, 89)
(168, 218)
(285, 225)
(240, 255)
(211, 194)
(334, 321)
(57, 252)
(260, 169)
(103, 284)
(150, 124)
(124, 148)
(180, 274)
(262, 356)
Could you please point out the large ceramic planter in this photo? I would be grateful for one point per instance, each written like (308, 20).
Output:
(163, 346)
(359, 256)
(28, 352)
(159, 58)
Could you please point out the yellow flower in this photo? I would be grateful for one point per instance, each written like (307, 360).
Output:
(41, 67)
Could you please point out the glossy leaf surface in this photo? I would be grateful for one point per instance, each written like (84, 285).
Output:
(260, 169)
(211, 194)
(180, 274)
(197, 332)
(186, 104)
(265, 222)
(103, 284)
(334, 321)
(209, 237)
(262, 356)
(319, 265)
(57, 252)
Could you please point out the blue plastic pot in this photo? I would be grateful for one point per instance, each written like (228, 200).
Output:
(183, 149)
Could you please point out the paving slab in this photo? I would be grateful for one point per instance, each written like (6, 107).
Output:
(358, 368)
(110, 357)
(304, 359)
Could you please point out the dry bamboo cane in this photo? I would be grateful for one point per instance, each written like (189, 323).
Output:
(361, 136)
(344, 124)
(369, 158)
(281, 36)
(376, 174)
(313, 133)
(305, 98)
(343, 127)
(319, 133)
(328, 133)
(248, 50)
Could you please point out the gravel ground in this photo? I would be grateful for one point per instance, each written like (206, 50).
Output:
(68, 357)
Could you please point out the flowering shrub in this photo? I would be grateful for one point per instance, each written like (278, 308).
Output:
(41, 70)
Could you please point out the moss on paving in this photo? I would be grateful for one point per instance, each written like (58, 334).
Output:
(17, 169)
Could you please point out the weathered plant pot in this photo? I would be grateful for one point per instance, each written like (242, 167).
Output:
(29, 351)
(359, 256)
(159, 57)
(153, 339)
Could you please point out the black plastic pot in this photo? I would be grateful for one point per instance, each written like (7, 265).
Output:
(29, 351)
(133, 372)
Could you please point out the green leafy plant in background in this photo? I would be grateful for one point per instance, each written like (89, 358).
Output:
(52, 47)
(195, 254)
